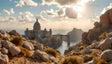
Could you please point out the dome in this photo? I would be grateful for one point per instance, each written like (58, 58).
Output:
(36, 25)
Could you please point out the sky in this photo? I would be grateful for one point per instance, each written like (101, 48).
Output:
(59, 15)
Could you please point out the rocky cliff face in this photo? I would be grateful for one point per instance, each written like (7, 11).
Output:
(96, 44)
(75, 34)
(104, 25)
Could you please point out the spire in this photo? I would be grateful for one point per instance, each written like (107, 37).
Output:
(36, 19)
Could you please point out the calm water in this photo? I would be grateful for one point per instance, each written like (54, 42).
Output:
(64, 46)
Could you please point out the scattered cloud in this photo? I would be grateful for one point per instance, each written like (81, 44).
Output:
(48, 12)
(21, 3)
(26, 16)
(8, 12)
(12, 11)
(40, 17)
(107, 8)
(8, 19)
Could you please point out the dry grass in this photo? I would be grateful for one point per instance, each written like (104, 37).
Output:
(73, 60)
(25, 52)
(101, 61)
(51, 51)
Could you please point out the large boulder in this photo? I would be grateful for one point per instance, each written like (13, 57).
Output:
(13, 32)
(41, 55)
(39, 46)
(3, 59)
(105, 44)
(4, 51)
(106, 55)
(28, 45)
(7, 44)
(14, 50)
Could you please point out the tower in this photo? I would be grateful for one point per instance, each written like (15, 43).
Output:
(50, 31)
(36, 26)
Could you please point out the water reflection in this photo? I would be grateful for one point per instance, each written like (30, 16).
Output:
(64, 46)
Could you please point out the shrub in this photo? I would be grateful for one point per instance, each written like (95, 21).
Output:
(103, 35)
(73, 60)
(101, 61)
(17, 41)
(51, 51)
(96, 53)
(77, 53)
(25, 52)
(81, 47)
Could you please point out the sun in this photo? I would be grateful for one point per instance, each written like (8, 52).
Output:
(78, 8)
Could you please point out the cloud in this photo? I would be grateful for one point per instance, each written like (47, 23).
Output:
(48, 12)
(71, 13)
(107, 8)
(26, 16)
(27, 2)
(12, 11)
(61, 12)
(8, 19)
(8, 12)
(40, 17)
(63, 2)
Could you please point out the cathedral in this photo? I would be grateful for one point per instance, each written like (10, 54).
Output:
(37, 32)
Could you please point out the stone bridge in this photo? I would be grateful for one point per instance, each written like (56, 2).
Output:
(63, 38)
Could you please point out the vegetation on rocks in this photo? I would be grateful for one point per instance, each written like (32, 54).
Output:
(17, 40)
(51, 51)
(73, 60)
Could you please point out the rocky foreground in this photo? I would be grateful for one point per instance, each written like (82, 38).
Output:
(15, 49)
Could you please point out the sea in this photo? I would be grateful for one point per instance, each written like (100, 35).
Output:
(64, 46)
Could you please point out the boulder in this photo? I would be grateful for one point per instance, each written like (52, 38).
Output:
(41, 55)
(105, 44)
(14, 50)
(39, 46)
(94, 45)
(7, 44)
(106, 55)
(28, 45)
(3, 59)
(87, 51)
(92, 62)
(4, 51)
(87, 58)
(13, 32)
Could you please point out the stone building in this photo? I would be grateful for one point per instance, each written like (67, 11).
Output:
(37, 33)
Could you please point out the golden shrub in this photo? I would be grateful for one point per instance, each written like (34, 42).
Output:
(25, 52)
(51, 51)
(73, 60)
(17, 41)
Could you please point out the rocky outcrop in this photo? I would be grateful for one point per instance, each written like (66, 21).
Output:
(75, 34)
(104, 25)
(13, 32)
